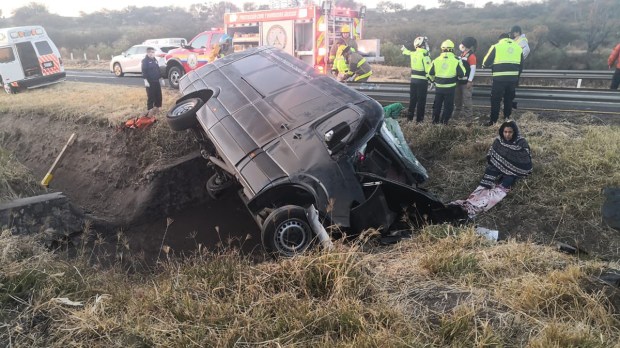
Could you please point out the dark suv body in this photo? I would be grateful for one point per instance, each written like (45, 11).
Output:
(293, 139)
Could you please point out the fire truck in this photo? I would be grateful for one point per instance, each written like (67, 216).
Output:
(304, 32)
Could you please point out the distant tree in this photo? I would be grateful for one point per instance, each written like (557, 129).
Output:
(32, 9)
(601, 21)
(249, 6)
(418, 8)
(388, 7)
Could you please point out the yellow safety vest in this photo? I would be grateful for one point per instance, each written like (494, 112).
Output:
(445, 70)
(420, 63)
(507, 58)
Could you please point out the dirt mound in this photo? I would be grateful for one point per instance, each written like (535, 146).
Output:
(111, 173)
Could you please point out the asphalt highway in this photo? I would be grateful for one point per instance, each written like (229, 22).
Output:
(541, 99)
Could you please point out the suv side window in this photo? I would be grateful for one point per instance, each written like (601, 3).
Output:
(132, 50)
(200, 41)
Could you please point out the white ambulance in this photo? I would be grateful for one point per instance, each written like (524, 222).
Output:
(28, 59)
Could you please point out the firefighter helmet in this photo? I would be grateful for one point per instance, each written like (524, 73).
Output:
(420, 41)
(225, 40)
(345, 29)
(447, 45)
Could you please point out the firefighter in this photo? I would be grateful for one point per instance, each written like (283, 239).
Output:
(340, 69)
(506, 60)
(344, 39)
(445, 71)
(420, 66)
(357, 66)
(226, 46)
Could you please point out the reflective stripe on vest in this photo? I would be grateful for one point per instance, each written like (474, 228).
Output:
(418, 68)
(507, 58)
(357, 78)
(445, 70)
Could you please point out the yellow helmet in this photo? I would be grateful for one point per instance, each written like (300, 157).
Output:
(345, 29)
(447, 45)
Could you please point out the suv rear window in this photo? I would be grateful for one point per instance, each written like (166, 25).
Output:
(6, 55)
(43, 47)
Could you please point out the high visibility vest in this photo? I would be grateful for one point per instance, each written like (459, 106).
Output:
(358, 66)
(420, 63)
(445, 70)
(507, 58)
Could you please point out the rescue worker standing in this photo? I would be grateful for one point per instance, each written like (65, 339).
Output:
(357, 66)
(521, 40)
(445, 71)
(465, 86)
(614, 57)
(418, 88)
(152, 76)
(345, 39)
(506, 60)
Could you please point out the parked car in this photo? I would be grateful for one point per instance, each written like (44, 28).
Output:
(293, 139)
(191, 56)
(130, 61)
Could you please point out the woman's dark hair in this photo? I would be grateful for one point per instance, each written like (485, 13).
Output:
(470, 42)
(512, 124)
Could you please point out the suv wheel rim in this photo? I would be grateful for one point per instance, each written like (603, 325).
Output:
(117, 69)
(183, 108)
(174, 78)
(291, 236)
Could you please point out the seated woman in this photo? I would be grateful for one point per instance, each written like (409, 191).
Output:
(508, 160)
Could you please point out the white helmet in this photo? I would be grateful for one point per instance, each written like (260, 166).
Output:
(420, 41)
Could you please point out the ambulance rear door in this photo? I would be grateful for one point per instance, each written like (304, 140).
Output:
(49, 57)
(29, 59)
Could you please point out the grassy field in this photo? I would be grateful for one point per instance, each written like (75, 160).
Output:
(445, 287)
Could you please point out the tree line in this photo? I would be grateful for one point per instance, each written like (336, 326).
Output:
(563, 34)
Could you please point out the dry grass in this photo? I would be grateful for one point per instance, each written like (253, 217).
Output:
(561, 200)
(516, 295)
(100, 104)
(16, 180)
(446, 287)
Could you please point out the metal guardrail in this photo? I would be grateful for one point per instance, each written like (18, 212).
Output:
(400, 92)
(559, 74)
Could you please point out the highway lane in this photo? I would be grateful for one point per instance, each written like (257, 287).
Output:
(481, 96)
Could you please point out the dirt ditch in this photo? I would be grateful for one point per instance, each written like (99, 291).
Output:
(114, 176)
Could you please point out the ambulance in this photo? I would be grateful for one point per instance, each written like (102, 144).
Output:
(28, 59)
(306, 33)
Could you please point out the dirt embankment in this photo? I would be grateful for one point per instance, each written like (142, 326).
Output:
(108, 172)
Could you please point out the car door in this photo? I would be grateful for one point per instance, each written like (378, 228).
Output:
(135, 59)
(10, 69)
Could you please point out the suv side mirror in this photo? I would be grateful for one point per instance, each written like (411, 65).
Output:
(124, 54)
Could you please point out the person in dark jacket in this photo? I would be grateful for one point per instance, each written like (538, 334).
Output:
(152, 76)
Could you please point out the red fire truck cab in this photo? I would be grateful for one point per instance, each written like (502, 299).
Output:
(181, 60)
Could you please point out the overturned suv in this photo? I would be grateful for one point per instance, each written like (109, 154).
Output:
(295, 141)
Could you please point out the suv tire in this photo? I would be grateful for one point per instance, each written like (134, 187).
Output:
(286, 231)
(174, 74)
(182, 116)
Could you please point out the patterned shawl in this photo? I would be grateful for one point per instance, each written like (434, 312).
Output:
(511, 157)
